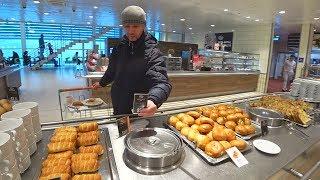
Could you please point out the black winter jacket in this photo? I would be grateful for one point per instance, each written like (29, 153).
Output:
(136, 67)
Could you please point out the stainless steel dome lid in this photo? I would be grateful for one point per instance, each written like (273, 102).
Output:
(153, 142)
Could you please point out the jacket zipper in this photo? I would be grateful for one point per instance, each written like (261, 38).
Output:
(131, 45)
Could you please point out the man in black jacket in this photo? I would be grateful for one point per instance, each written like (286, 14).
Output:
(136, 66)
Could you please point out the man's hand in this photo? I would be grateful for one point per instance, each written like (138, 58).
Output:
(148, 111)
(96, 85)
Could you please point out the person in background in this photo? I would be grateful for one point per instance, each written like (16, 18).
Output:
(50, 48)
(26, 58)
(1, 56)
(41, 46)
(15, 58)
(136, 66)
(75, 58)
(289, 67)
(91, 62)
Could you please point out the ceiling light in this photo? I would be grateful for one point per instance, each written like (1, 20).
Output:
(192, 33)
(174, 31)
(46, 13)
(96, 7)
(314, 30)
(257, 20)
(212, 25)
(232, 30)
(248, 17)
(13, 19)
(149, 28)
(36, 2)
(316, 18)
(225, 10)
(52, 20)
(162, 24)
(120, 25)
(88, 23)
(90, 17)
(190, 28)
(282, 12)
(182, 19)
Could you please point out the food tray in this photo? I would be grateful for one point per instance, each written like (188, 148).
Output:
(85, 107)
(34, 171)
(208, 159)
(250, 136)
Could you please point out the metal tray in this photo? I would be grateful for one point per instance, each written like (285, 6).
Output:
(34, 171)
(208, 159)
(251, 136)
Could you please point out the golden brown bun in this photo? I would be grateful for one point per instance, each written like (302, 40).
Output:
(56, 175)
(185, 131)
(230, 125)
(90, 133)
(7, 106)
(66, 129)
(87, 177)
(84, 156)
(187, 119)
(206, 112)
(195, 127)
(201, 141)
(180, 125)
(231, 117)
(240, 122)
(231, 135)
(247, 121)
(204, 120)
(231, 111)
(214, 149)
(64, 137)
(77, 103)
(4, 101)
(214, 115)
(2, 110)
(250, 129)
(90, 165)
(63, 169)
(92, 149)
(66, 154)
(89, 126)
(180, 115)
(240, 129)
(238, 110)
(194, 114)
(56, 162)
(87, 140)
(222, 107)
(209, 135)
(223, 113)
(238, 116)
(205, 128)
(192, 135)
(226, 145)
(173, 120)
(61, 147)
(219, 134)
(221, 120)
(240, 144)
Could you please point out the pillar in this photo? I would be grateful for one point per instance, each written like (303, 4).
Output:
(305, 47)
(183, 37)
(23, 36)
(93, 34)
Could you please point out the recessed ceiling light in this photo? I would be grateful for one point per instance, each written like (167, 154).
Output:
(316, 18)
(52, 20)
(174, 31)
(162, 24)
(88, 23)
(212, 25)
(190, 28)
(36, 2)
(90, 17)
(182, 19)
(248, 17)
(120, 25)
(257, 20)
(13, 19)
(314, 30)
(282, 12)
(149, 28)
(225, 10)
(46, 13)
(96, 7)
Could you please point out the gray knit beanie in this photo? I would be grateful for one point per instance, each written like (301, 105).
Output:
(133, 14)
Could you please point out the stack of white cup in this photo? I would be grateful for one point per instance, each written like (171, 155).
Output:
(25, 115)
(33, 106)
(16, 130)
(8, 165)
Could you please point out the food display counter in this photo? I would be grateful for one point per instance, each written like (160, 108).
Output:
(9, 77)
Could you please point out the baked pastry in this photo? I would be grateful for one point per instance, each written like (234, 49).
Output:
(231, 117)
(189, 120)
(230, 125)
(4, 101)
(180, 125)
(214, 115)
(231, 135)
(7, 106)
(2, 110)
(245, 115)
(195, 127)
(87, 140)
(61, 146)
(240, 129)
(238, 110)
(50, 162)
(239, 116)
(247, 121)
(63, 169)
(194, 114)
(223, 113)
(90, 133)
(92, 149)
(205, 128)
(59, 176)
(240, 122)
(66, 154)
(84, 156)
(250, 129)
(221, 120)
(201, 141)
(204, 120)
(240, 144)
(192, 134)
(230, 111)
(173, 120)
(89, 126)
(222, 107)
(180, 115)
(214, 149)
(87, 177)
(85, 166)
(64, 137)
(66, 128)
(209, 135)
(206, 112)
(219, 134)
(185, 131)
(226, 145)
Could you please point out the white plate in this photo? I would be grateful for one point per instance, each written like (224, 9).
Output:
(266, 146)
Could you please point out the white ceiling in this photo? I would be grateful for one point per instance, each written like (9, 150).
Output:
(199, 14)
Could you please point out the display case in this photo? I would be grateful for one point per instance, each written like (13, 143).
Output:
(222, 61)
(314, 71)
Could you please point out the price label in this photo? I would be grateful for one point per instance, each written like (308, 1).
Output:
(237, 157)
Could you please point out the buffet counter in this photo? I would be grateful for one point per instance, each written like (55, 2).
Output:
(9, 77)
(190, 85)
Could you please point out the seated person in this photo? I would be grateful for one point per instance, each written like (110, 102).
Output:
(92, 62)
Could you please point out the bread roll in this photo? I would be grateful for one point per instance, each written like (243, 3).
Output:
(209, 135)
(64, 137)
(204, 120)
(247, 121)
(173, 120)
(185, 131)
(231, 135)
(223, 113)
(219, 134)
(87, 177)
(2, 110)
(66, 154)
(205, 128)
(85, 166)
(238, 110)
(230, 111)
(222, 107)
(87, 140)
(180, 115)
(214, 115)
(61, 146)
(189, 120)
(192, 134)
(206, 112)
(56, 162)
(59, 176)
(240, 129)
(84, 156)
(226, 145)
(89, 126)
(4, 101)
(66, 129)
(230, 125)
(90, 133)
(231, 117)
(221, 120)
(250, 129)
(238, 116)
(194, 114)
(240, 144)
(7, 106)
(180, 125)
(214, 149)
(195, 127)
(201, 141)
(63, 169)
(92, 149)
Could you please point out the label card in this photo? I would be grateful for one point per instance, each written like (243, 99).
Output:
(237, 157)
(139, 102)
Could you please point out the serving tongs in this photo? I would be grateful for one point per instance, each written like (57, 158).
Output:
(293, 128)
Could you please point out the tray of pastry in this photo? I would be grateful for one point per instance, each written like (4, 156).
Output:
(76, 153)
(209, 145)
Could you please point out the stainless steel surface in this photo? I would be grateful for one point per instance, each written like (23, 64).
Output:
(311, 171)
(297, 131)
(153, 150)
(294, 172)
(273, 118)
(34, 171)
(208, 159)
